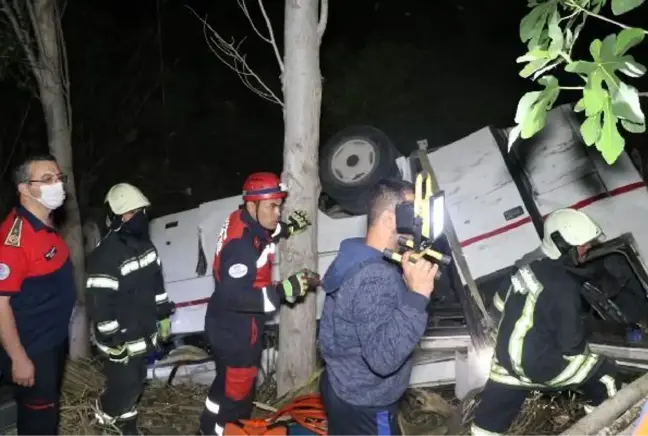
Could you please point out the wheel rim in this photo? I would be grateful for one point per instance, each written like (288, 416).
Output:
(353, 161)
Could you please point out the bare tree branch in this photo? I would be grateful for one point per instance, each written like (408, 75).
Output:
(13, 15)
(643, 94)
(63, 73)
(229, 53)
(323, 20)
(272, 40)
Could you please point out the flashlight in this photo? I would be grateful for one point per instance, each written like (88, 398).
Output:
(424, 220)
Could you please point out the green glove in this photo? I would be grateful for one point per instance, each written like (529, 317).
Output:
(298, 284)
(164, 328)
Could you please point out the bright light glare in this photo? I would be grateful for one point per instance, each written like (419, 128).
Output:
(438, 216)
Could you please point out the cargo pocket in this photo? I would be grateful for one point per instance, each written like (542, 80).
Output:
(239, 381)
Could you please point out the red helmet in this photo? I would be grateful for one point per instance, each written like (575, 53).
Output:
(263, 186)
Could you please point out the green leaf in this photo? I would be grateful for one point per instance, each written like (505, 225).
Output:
(556, 35)
(591, 129)
(537, 59)
(532, 26)
(524, 105)
(536, 115)
(610, 143)
(620, 7)
(625, 104)
(627, 39)
(608, 58)
(579, 106)
(632, 127)
(593, 100)
(632, 68)
(580, 67)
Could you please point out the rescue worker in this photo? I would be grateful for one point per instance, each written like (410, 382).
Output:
(37, 296)
(127, 305)
(245, 295)
(541, 340)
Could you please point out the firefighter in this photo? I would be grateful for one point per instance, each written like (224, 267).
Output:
(128, 306)
(541, 340)
(245, 295)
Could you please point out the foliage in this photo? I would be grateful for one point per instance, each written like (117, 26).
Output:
(550, 31)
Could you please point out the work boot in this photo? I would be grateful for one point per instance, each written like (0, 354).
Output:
(128, 427)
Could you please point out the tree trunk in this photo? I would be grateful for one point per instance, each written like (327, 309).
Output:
(56, 109)
(302, 89)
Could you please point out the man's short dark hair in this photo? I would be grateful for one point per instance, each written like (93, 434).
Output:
(385, 195)
(22, 172)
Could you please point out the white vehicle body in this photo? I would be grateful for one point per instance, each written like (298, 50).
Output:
(493, 222)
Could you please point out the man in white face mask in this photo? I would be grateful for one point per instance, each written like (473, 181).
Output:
(37, 295)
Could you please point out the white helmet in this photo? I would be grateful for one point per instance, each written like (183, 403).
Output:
(575, 227)
(124, 197)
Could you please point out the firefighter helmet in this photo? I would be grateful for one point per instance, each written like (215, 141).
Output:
(574, 227)
(124, 197)
(263, 186)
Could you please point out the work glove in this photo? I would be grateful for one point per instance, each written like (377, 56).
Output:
(298, 284)
(164, 328)
(297, 223)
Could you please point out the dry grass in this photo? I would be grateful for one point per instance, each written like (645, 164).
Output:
(176, 409)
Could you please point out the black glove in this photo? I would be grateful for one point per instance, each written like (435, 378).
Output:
(111, 346)
(297, 223)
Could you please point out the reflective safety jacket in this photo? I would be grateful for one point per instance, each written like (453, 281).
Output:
(125, 294)
(541, 340)
(244, 293)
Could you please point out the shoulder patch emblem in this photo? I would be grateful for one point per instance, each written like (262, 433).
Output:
(237, 271)
(4, 271)
(15, 233)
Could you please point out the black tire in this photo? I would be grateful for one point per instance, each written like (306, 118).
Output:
(348, 190)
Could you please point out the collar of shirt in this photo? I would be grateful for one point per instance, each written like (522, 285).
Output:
(34, 222)
(254, 226)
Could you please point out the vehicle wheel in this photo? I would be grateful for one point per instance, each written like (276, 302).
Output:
(354, 160)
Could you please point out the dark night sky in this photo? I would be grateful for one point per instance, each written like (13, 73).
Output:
(181, 125)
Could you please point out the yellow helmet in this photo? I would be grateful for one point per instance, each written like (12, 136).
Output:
(124, 197)
(574, 227)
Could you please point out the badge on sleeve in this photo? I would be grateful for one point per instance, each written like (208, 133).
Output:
(237, 271)
(4, 271)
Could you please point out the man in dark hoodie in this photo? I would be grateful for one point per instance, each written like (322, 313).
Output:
(374, 316)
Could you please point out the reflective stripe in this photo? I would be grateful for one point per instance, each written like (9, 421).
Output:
(577, 370)
(498, 302)
(212, 406)
(133, 264)
(108, 327)
(574, 374)
(526, 283)
(265, 255)
(610, 385)
(267, 304)
(218, 430)
(161, 298)
(102, 281)
(104, 419)
(136, 347)
(478, 431)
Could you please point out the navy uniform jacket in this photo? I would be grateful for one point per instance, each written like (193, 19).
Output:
(37, 274)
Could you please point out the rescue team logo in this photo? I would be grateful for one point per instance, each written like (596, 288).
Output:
(222, 236)
(15, 234)
(4, 271)
(50, 253)
(237, 271)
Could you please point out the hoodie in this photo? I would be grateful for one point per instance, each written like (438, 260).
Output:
(370, 324)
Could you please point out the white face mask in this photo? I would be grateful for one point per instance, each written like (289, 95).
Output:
(52, 196)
